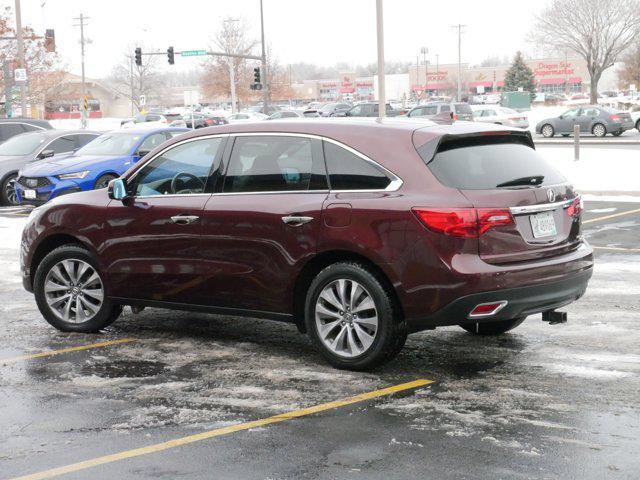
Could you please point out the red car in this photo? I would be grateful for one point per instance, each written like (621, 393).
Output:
(358, 231)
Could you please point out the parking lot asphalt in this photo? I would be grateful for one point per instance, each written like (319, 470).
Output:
(181, 395)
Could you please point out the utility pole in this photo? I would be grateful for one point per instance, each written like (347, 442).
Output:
(83, 105)
(232, 65)
(382, 100)
(21, 62)
(437, 69)
(265, 82)
(424, 51)
(459, 28)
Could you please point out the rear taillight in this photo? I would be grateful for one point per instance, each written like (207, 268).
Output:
(518, 119)
(615, 117)
(210, 122)
(454, 117)
(463, 222)
(575, 209)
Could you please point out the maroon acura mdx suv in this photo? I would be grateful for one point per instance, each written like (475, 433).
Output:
(359, 231)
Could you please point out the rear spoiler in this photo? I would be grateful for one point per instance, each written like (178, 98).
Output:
(449, 141)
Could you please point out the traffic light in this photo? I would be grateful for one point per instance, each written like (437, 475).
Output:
(256, 75)
(170, 56)
(49, 40)
(138, 56)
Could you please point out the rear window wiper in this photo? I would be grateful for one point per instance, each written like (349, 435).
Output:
(531, 180)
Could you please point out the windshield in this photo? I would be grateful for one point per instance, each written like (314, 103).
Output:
(111, 144)
(22, 144)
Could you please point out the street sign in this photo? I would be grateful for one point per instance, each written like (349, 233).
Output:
(193, 53)
(480, 89)
(20, 74)
(632, 87)
(143, 100)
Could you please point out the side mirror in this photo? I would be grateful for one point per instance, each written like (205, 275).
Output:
(46, 154)
(117, 189)
(142, 153)
(561, 117)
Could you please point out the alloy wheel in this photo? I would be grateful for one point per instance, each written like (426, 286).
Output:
(74, 291)
(10, 191)
(547, 131)
(599, 130)
(346, 318)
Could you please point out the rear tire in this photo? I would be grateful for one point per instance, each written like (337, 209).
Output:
(344, 330)
(599, 130)
(70, 292)
(638, 125)
(547, 130)
(492, 328)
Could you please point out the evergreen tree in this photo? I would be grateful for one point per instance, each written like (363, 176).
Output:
(518, 76)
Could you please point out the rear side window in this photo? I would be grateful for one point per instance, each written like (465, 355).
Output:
(348, 171)
(484, 166)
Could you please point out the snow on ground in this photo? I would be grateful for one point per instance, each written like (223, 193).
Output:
(598, 170)
(99, 124)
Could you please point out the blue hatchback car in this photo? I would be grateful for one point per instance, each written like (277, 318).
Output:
(91, 167)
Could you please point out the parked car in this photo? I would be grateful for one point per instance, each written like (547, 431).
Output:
(10, 127)
(499, 115)
(202, 121)
(293, 114)
(367, 109)
(333, 109)
(635, 116)
(594, 119)
(23, 149)
(244, 117)
(150, 120)
(271, 108)
(359, 232)
(441, 110)
(91, 167)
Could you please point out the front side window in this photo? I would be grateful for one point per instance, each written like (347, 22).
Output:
(355, 111)
(183, 169)
(273, 164)
(348, 171)
(151, 142)
(62, 145)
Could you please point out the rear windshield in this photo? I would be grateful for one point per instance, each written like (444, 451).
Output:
(485, 166)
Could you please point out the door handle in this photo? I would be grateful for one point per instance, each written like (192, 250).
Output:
(184, 219)
(296, 220)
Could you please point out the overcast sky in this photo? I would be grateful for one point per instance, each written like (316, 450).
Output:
(319, 31)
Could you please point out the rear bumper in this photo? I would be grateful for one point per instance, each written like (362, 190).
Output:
(521, 301)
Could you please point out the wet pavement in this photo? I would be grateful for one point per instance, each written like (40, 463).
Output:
(541, 402)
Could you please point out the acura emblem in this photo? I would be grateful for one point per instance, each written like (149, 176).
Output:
(32, 182)
(550, 195)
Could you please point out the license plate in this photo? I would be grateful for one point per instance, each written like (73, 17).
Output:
(543, 225)
(29, 194)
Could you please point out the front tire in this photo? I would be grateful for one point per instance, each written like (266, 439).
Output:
(492, 328)
(547, 130)
(599, 130)
(8, 192)
(70, 293)
(350, 317)
(638, 125)
(103, 181)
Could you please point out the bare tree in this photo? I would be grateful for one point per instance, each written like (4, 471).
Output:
(132, 81)
(630, 71)
(42, 66)
(597, 31)
(231, 38)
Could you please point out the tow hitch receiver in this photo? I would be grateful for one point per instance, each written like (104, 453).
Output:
(554, 317)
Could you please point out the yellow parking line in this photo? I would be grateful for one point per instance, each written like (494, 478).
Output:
(50, 353)
(613, 215)
(177, 442)
(617, 249)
